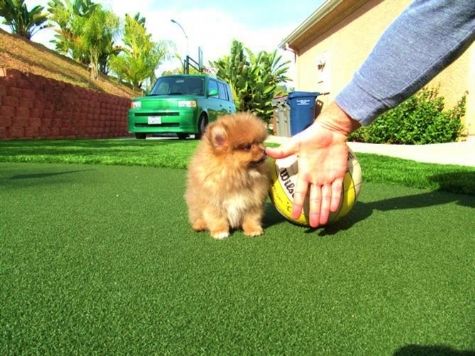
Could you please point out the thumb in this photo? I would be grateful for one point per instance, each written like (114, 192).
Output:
(284, 150)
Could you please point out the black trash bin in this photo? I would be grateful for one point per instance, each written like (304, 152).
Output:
(302, 110)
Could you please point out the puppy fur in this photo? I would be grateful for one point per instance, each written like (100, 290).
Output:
(228, 179)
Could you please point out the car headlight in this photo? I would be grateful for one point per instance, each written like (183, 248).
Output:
(187, 104)
(135, 104)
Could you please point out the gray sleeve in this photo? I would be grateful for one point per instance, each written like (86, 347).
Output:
(421, 42)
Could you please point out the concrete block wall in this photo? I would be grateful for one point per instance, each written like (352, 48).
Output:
(32, 106)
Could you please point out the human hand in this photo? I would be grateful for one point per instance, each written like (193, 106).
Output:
(322, 163)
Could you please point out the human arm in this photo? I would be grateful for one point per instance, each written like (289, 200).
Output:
(426, 38)
(421, 42)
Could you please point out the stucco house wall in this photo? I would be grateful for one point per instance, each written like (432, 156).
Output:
(335, 40)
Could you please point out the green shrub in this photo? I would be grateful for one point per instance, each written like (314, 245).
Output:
(420, 119)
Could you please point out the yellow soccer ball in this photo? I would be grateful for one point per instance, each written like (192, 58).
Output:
(284, 180)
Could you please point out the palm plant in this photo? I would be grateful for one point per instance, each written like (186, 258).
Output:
(22, 21)
(254, 78)
(267, 72)
(140, 56)
(85, 32)
(97, 36)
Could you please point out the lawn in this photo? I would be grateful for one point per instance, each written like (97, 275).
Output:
(98, 259)
(175, 154)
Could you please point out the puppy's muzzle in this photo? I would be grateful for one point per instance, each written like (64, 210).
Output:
(259, 161)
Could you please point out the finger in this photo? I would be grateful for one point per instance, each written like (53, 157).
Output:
(325, 207)
(315, 203)
(337, 187)
(299, 197)
(284, 150)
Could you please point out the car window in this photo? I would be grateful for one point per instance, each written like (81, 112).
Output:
(223, 94)
(161, 88)
(179, 85)
(213, 85)
(230, 95)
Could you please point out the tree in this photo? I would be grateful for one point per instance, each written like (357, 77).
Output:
(140, 56)
(97, 36)
(267, 71)
(86, 32)
(254, 78)
(140, 19)
(22, 21)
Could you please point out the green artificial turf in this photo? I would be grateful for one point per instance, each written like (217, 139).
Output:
(101, 260)
(176, 153)
(169, 153)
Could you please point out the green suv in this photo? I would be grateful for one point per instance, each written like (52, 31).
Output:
(180, 104)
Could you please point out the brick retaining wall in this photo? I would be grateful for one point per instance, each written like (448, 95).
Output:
(32, 106)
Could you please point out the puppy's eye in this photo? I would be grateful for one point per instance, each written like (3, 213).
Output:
(245, 147)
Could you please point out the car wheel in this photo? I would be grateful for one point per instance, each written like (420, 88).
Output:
(202, 123)
(140, 136)
(182, 136)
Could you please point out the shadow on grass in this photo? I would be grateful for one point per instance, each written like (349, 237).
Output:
(362, 211)
(272, 216)
(437, 350)
(22, 178)
(456, 182)
(44, 175)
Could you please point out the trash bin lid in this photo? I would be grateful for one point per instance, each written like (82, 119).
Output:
(303, 94)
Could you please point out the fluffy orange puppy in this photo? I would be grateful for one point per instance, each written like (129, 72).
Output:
(228, 179)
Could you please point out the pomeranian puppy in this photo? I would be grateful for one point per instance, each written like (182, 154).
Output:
(228, 179)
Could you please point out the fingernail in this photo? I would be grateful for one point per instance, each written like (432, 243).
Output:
(296, 212)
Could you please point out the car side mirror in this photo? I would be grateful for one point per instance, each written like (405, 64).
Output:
(213, 92)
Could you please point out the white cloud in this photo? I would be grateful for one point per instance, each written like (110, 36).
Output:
(120, 8)
(211, 28)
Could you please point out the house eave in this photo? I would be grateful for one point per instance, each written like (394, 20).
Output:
(325, 8)
(327, 15)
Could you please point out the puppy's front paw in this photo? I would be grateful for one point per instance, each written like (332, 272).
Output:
(253, 231)
(220, 235)
(199, 225)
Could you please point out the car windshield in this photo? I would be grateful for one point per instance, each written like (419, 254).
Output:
(178, 86)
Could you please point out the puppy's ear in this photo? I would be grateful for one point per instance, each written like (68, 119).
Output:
(218, 136)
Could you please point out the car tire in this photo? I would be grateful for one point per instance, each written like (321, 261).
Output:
(202, 123)
(182, 136)
(140, 136)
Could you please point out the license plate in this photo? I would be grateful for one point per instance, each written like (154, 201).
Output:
(154, 120)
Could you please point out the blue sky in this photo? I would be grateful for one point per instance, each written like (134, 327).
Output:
(254, 13)
(211, 24)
